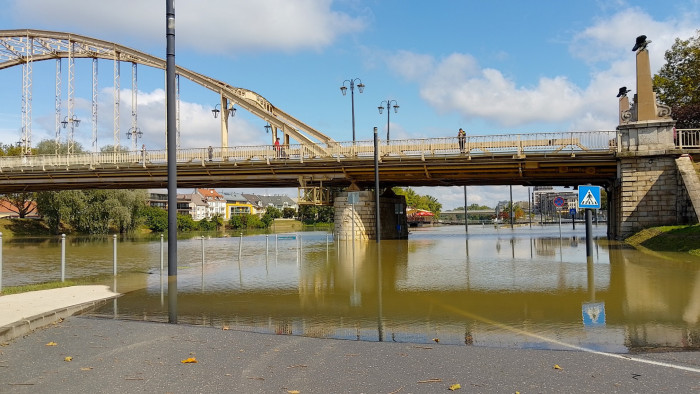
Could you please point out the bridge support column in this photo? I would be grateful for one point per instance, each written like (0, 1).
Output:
(649, 190)
(392, 211)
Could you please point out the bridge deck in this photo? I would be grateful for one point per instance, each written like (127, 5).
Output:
(533, 159)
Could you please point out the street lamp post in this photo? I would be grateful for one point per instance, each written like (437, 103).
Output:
(388, 111)
(343, 89)
(74, 122)
(134, 132)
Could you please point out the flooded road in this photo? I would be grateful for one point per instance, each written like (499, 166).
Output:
(517, 288)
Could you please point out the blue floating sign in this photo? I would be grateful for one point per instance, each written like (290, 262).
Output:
(572, 211)
(593, 314)
(589, 197)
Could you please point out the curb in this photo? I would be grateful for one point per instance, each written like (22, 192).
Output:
(26, 326)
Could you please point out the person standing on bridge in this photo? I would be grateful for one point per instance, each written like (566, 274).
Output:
(278, 148)
(461, 138)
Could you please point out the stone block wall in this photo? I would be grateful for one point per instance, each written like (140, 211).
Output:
(393, 224)
(647, 194)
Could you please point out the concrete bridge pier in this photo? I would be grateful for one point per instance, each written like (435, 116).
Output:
(363, 213)
(650, 189)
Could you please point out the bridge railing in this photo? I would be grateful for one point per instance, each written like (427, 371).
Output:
(505, 144)
(687, 138)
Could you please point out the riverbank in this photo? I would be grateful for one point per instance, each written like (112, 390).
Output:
(669, 239)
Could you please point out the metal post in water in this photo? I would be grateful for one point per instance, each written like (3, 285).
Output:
(512, 208)
(114, 268)
(161, 254)
(63, 257)
(240, 247)
(276, 250)
(466, 217)
(202, 251)
(529, 207)
(267, 243)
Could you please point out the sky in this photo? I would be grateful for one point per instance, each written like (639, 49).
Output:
(495, 67)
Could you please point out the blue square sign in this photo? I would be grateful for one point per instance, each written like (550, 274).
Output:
(589, 197)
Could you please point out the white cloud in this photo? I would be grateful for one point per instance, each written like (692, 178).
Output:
(458, 84)
(211, 26)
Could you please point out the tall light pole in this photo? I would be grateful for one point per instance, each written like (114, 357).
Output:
(388, 111)
(344, 89)
(134, 134)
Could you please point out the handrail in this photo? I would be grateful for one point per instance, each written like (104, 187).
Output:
(687, 138)
(566, 143)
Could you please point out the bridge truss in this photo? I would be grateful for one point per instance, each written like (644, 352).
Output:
(24, 47)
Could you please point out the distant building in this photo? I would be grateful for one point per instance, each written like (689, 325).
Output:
(193, 205)
(216, 203)
(206, 203)
(236, 204)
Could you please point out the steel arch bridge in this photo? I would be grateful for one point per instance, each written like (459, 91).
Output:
(24, 47)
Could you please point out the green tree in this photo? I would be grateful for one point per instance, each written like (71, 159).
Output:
(676, 84)
(49, 147)
(21, 203)
(415, 200)
(10, 150)
(289, 213)
(155, 218)
(236, 222)
(273, 212)
(185, 223)
(206, 225)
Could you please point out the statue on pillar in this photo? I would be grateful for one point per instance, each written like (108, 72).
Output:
(644, 107)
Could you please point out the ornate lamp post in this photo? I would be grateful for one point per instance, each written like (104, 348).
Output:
(74, 122)
(344, 89)
(388, 111)
(216, 110)
(136, 133)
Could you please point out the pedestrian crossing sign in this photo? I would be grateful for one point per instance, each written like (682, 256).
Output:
(589, 197)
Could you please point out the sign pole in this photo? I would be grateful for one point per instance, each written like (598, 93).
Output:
(589, 198)
(589, 233)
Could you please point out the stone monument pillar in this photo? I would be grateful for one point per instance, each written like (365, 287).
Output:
(648, 191)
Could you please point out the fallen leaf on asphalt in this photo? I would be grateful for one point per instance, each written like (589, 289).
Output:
(430, 381)
(293, 391)
(85, 368)
(298, 366)
(225, 328)
(437, 340)
(455, 386)
(190, 360)
(68, 358)
(51, 344)
(556, 366)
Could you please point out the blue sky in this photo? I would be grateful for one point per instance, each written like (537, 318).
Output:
(489, 67)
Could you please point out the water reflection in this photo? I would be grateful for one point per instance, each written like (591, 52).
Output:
(495, 287)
